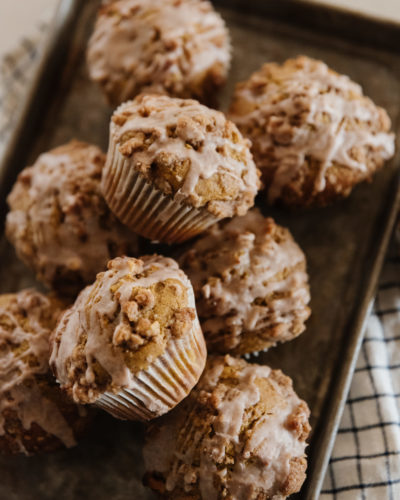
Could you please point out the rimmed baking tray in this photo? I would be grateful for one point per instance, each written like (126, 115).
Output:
(345, 244)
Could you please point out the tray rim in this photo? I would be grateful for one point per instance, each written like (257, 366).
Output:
(55, 51)
(372, 31)
(369, 16)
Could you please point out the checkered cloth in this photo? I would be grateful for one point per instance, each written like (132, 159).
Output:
(16, 71)
(365, 463)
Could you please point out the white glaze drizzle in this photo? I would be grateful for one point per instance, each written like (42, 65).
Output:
(241, 261)
(65, 180)
(98, 313)
(217, 153)
(270, 444)
(156, 45)
(326, 101)
(19, 391)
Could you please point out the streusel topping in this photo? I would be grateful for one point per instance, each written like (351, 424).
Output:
(120, 324)
(59, 221)
(240, 434)
(176, 46)
(249, 275)
(188, 150)
(26, 321)
(302, 112)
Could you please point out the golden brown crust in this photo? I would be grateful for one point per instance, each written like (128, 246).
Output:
(339, 183)
(314, 134)
(186, 150)
(219, 442)
(59, 222)
(250, 282)
(134, 314)
(35, 415)
(179, 47)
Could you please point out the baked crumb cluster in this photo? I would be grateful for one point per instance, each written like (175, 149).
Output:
(240, 434)
(188, 151)
(314, 134)
(59, 222)
(34, 414)
(121, 324)
(250, 282)
(180, 47)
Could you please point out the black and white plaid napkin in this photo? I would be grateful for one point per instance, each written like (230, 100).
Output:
(365, 463)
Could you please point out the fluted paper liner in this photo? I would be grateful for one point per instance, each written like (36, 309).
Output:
(145, 208)
(160, 387)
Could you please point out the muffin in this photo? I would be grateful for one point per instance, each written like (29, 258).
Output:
(250, 282)
(241, 434)
(174, 167)
(178, 47)
(314, 134)
(59, 223)
(35, 416)
(131, 343)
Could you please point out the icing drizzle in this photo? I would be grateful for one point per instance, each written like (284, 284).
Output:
(235, 264)
(101, 311)
(168, 45)
(223, 150)
(305, 110)
(24, 354)
(217, 449)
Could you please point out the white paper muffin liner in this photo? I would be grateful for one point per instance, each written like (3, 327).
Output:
(146, 209)
(160, 387)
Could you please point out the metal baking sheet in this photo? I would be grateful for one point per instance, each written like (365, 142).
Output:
(345, 243)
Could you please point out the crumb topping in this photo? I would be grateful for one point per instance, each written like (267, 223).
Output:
(188, 151)
(176, 46)
(26, 322)
(240, 434)
(59, 221)
(120, 324)
(302, 115)
(250, 281)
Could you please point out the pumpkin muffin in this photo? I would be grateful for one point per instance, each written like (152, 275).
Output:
(35, 415)
(241, 434)
(131, 343)
(174, 167)
(178, 47)
(314, 134)
(250, 282)
(59, 223)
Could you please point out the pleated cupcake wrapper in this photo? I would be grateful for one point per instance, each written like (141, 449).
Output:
(163, 384)
(145, 208)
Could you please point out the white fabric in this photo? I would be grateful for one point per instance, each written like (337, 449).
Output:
(365, 462)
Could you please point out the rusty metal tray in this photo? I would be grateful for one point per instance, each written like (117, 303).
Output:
(345, 244)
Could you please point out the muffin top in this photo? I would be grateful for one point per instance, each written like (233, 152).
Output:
(26, 321)
(248, 275)
(59, 222)
(240, 434)
(119, 325)
(176, 46)
(303, 113)
(188, 151)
